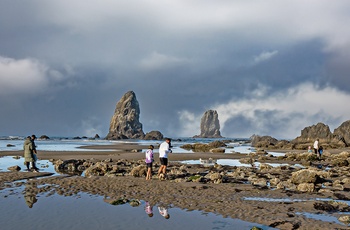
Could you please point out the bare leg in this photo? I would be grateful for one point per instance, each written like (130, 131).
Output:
(164, 169)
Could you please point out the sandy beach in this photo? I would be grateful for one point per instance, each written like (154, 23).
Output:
(230, 198)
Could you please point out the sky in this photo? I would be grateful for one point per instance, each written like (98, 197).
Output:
(267, 67)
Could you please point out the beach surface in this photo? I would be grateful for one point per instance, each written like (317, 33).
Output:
(277, 208)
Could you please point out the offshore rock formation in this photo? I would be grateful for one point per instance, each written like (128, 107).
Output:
(338, 139)
(125, 121)
(153, 135)
(210, 126)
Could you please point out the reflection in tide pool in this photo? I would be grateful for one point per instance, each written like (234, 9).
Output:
(86, 211)
(8, 161)
(230, 162)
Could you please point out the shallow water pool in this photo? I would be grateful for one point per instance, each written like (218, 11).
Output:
(85, 211)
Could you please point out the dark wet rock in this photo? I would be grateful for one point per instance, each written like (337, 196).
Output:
(44, 137)
(210, 125)
(153, 135)
(97, 136)
(263, 141)
(10, 145)
(14, 168)
(125, 122)
(76, 138)
(69, 166)
(201, 147)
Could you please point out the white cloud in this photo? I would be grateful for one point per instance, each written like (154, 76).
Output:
(264, 56)
(22, 76)
(190, 124)
(306, 100)
(161, 61)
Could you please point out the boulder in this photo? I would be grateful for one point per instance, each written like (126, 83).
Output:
(263, 141)
(304, 176)
(15, 168)
(154, 135)
(210, 126)
(125, 122)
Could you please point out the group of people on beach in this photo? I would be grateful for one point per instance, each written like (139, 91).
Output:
(164, 150)
(30, 152)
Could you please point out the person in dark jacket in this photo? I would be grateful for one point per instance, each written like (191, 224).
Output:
(28, 154)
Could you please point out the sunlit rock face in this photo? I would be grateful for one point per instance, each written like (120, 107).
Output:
(210, 126)
(125, 122)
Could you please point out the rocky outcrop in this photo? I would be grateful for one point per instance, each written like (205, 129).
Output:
(125, 122)
(310, 134)
(342, 133)
(210, 126)
(326, 138)
(153, 135)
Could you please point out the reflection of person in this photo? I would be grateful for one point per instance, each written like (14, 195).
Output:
(316, 146)
(30, 195)
(164, 212)
(28, 154)
(149, 161)
(149, 209)
(164, 149)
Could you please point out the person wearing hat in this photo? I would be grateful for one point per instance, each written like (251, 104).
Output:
(149, 161)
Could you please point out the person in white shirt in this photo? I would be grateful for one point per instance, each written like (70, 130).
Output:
(316, 146)
(164, 149)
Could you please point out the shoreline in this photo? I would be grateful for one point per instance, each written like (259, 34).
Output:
(226, 199)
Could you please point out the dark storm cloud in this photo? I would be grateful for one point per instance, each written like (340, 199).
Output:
(65, 64)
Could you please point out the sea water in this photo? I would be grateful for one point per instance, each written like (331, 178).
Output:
(85, 211)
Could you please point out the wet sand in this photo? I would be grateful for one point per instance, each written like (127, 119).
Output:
(226, 199)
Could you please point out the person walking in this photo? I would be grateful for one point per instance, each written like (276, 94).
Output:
(28, 153)
(33, 137)
(316, 146)
(164, 149)
(149, 160)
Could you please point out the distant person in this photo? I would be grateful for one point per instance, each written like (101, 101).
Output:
(309, 149)
(316, 146)
(149, 209)
(164, 149)
(33, 137)
(164, 212)
(320, 151)
(28, 153)
(149, 160)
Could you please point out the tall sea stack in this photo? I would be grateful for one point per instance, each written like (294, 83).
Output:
(210, 126)
(125, 122)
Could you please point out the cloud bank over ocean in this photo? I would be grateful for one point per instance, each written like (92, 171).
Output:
(268, 68)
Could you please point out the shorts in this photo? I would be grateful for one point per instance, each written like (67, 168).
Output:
(163, 161)
(149, 165)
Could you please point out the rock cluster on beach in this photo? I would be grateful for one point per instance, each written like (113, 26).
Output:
(340, 138)
(210, 126)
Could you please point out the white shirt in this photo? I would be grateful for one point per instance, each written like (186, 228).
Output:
(164, 150)
(316, 145)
